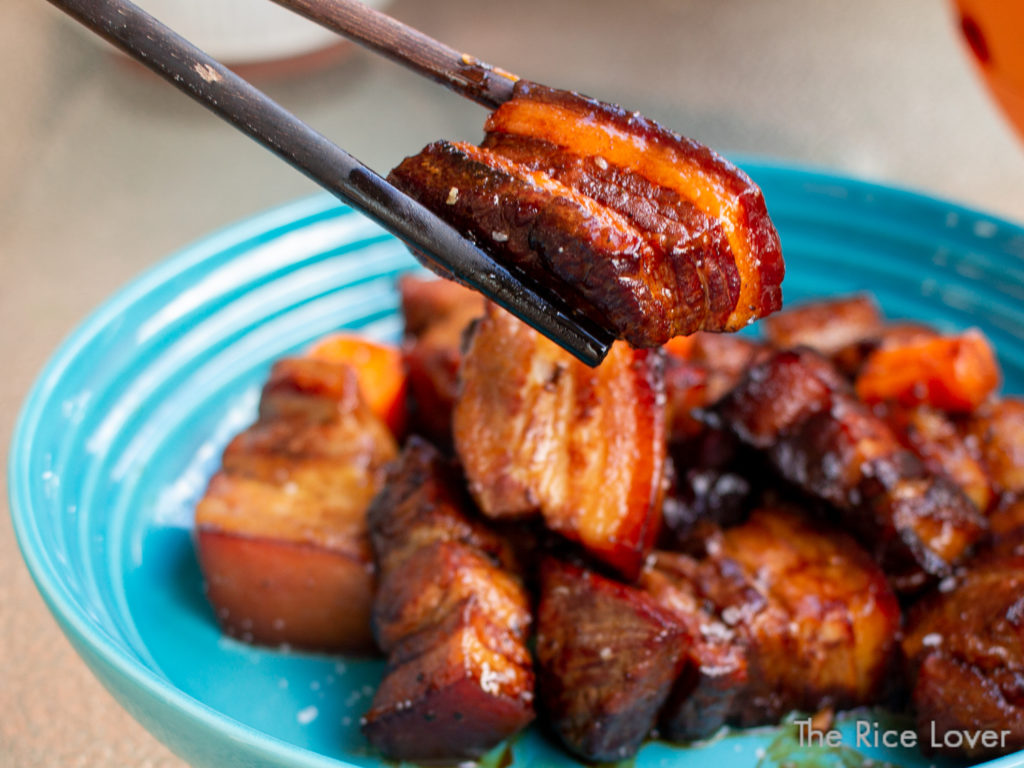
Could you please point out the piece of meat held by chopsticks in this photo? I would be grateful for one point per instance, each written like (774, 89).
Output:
(643, 229)
(281, 532)
(539, 433)
(802, 414)
(452, 618)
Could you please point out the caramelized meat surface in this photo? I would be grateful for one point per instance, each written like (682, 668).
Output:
(965, 648)
(798, 410)
(452, 620)
(649, 232)
(818, 617)
(539, 432)
(435, 578)
(437, 314)
(281, 531)
(715, 673)
(940, 444)
(607, 656)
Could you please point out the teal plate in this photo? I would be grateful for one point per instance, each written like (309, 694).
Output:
(126, 423)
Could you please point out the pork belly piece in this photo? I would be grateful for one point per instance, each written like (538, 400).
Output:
(607, 656)
(1006, 523)
(825, 326)
(437, 314)
(950, 373)
(448, 694)
(965, 649)
(281, 532)
(687, 388)
(539, 432)
(427, 301)
(694, 243)
(647, 232)
(453, 621)
(798, 410)
(591, 255)
(817, 615)
(715, 671)
(938, 441)
(997, 431)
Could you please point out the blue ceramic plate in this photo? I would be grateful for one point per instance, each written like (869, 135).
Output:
(125, 425)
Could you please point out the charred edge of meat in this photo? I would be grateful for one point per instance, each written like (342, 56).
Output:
(797, 408)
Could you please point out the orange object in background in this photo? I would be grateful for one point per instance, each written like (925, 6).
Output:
(951, 373)
(994, 31)
(681, 347)
(379, 369)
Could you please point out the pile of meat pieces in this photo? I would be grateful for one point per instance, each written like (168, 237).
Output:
(715, 533)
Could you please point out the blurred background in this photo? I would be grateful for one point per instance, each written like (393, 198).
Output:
(105, 170)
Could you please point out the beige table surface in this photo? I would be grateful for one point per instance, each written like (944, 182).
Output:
(103, 173)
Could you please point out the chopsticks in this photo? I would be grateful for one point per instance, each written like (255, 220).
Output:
(462, 73)
(251, 111)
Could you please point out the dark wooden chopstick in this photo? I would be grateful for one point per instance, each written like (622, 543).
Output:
(461, 72)
(214, 86)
